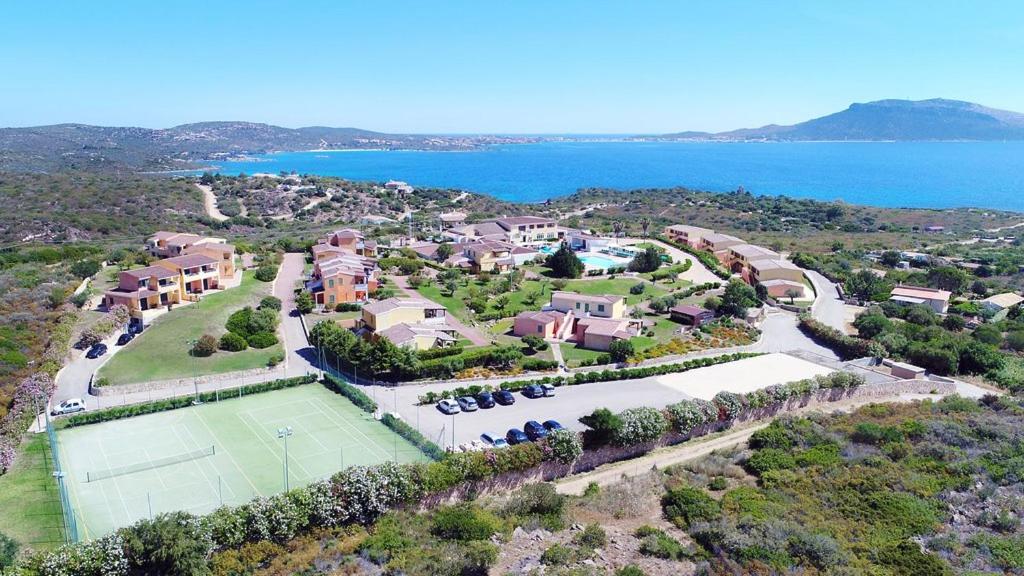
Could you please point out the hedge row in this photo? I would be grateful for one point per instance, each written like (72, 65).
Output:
(442, 352)
(447, 366)
(132, 410)
(357, 396)
(400, 427)
(706, 258)
(593, 376)
(846, 347)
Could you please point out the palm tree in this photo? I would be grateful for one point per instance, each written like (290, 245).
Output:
(645, 224)
(617, 226)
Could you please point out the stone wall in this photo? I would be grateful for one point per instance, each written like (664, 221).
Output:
(206, 382)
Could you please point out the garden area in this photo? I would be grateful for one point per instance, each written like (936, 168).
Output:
(162, 350)
(30, 511)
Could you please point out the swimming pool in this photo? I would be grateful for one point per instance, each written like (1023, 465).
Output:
(595, 261)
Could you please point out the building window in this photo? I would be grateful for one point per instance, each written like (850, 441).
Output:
(332, 299)
(600, 307)
(330, 283)
(540, 328)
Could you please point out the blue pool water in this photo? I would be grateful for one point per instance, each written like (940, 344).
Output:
(598, 261)
(912, 174)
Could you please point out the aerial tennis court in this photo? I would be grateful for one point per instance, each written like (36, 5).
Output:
(197, 458)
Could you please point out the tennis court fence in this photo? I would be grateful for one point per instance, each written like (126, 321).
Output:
(95, 475)
(70, 522)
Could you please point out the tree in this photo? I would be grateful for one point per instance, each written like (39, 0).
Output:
(501, 302)
(645, 224)
(8, 551)
(85, 268)
(564, 263)
(451, 286)
(621, 350)
(205, 346)
(921, 315)
(792, 294)
(948, 278)
(534, 342)
(647, 261)
(444, 250)
(954, 322)
(304, 302)
(871, 325)
(738, 296)
(602, 424)
(119, 316)
(866, 285)
(988, 334)
(979, 288)
(890, 258)
(206, 179)
(617, 228)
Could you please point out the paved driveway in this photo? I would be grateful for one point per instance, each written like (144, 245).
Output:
(698, 273)
(299, 355)
(827, 307)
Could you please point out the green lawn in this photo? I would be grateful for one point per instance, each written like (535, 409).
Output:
(29, 506)
(161, 352)
(574, 355)
(615, 286)
(457, 305)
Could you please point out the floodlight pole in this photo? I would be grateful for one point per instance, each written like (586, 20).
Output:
(284, 433)
(195, 371)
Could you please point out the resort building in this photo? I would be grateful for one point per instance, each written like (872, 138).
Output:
(411, 322)
(719, 245)
(685, 234)
(223, 253)
(452, 219)
(784, 288)
(342, 278)
(352, 241)
(585, 305)
(599, 333)
(197, 273)
(546, 324)
(584, 241)
(1000, 304)
(490, 256)
(937, 300)
(519, 230)
(761, 271)
(398, 186)
(741, 255)
(692, 315)
(169, 244)
(145, 289)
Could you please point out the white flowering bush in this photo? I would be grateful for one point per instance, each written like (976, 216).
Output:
(102, 557)
(688, 414)
(364, 493)
(640, 425)
(276, 518)
(566, 446)
(227, 526)
(323, 509)
(729, 405)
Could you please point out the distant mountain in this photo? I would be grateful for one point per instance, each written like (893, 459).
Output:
(80, 146)
(936, 119)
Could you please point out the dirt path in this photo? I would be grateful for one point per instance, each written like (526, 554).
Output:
(210, 203)
(665, 457)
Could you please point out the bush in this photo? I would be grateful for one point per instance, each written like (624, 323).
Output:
(464, 522)
(690, 414)
(347, 307)
(639, 425)
(536, 500)
(637, 288)
(275, 360)
(565, 446)
(406, 431)
(205, 346)
(685, 505)
(557, 555)
(630, 570)
(592, 536)
(360, 399)
(304, 302)
(271, 303)
(534, 342)
(8, 551)
(265, 273)
(729, 405)
(233, 342)
(174, 544)
(262, 340)
(769, 459)
(718, 483)
(658, 544)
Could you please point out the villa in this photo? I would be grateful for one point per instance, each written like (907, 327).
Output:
(685, 234)
(719, 244)
(585, 305)
(409, 322)
(937, 300)
(546, 324)
(144, 289)
(741, 255)
(222, 252)
(342, 278)
(761, 271)
(451, 219)
(1000, 303)
(169, 244)
(599, 333)
(693, 315)
(784, 288)
(352, 241)
(490, 256)
(398, 186)
(519, 230)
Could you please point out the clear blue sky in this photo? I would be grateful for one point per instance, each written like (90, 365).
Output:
(478, 66)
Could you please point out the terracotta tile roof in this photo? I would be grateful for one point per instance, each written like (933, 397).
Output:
(396, 303)
(190, 260)
(596, 299)
(150, 271)
(921, 292)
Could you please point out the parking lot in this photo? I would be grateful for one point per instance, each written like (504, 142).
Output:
(572, 402)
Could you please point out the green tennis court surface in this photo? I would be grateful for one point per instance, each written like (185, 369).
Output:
(227, 452)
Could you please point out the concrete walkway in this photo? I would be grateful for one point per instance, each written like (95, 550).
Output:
(698, 273)
(475, 336)
(827, 308)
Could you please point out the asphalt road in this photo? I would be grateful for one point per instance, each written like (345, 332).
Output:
(299, 355)
(827, 308)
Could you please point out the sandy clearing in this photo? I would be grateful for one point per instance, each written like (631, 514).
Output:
(742, 376)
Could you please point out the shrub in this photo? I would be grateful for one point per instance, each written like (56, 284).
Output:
(637, 288)
(233, 342)
(205, 346)
(630, 570)
(464, 522)
(406, 431)
(304, 302)
(729, 405)
(592, 536)
(621, 350)
(768, 459)
(347, 307)
(718, 483)
(773, 436)
(174, 544)
(275, 360)
(262, 340)
(271, 303)
(534, 342)
(685, 505)
(265, 273)
(8, 551)
(354, 394)
(536, 500)
(689, 414)
(657, 543)
(565, 446)
(557, 555)
(639, 425)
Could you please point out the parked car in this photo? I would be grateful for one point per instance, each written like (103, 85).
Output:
(553, 425)
(494, 441)
(69, 406)
(485, 400)
(504, 397)
(96, 351)
(135, 326)
(516, 436)
(467, 404)
(125, 338)
(448, 406)
(535, 430)
(548, 389)
(533, 391)
(81, 345)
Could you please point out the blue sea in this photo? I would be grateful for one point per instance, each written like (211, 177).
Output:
(893, 174)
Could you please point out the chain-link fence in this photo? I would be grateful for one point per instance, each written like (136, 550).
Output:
(70, 522)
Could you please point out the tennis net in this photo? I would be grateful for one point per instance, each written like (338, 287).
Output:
(149, 464)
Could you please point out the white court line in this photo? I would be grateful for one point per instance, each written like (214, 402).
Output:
(196, 443)
(117, 488)
(360, 432)
(255, 490)
(197, 462)
(274, 452)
